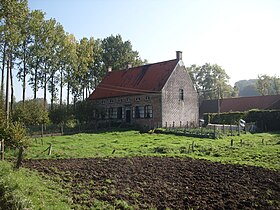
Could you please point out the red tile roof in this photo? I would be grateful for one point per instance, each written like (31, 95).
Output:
(137, 80)
(247, 103)
(241, 104)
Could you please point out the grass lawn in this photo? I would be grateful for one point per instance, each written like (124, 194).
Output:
(261, 149)
(25, 189)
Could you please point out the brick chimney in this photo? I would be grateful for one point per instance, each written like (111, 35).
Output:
(179, 55)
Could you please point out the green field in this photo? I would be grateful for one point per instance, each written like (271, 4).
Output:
(22, 188)
(25, 189)
(261, 149)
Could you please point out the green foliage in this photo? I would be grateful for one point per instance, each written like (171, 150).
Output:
(118, 53)
(211, 81)
(247, 87)
(229, 118)
(31, 112)
(268, 85)
(84, 111)
(23, 189)
(60, 115)
(266, 120)
(16, 135)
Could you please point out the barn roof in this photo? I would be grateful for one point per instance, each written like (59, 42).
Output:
(241, 104)
(137, 80)
(247, 103)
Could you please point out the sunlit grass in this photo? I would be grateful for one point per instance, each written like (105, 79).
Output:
(24, 189)
(252, 149)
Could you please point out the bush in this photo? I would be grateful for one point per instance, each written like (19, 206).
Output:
(14, 133)
(32, 112)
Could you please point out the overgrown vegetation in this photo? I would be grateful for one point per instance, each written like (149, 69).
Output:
(23, 189)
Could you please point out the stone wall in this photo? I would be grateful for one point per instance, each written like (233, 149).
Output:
(128, 105)
(175, 110)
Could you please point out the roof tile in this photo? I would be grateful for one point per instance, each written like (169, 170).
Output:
(137, 80)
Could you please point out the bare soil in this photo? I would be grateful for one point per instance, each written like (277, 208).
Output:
(164, 182)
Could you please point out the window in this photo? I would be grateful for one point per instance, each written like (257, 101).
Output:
(148, 111)
(111, 101)
(181, 94)
(112, 113)
(127, 99)
(147, 98)
(120, 112)
(138, 112)
(137, 99)
(103, 102)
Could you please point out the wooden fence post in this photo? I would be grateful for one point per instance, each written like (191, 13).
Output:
(20, 155)
(61, 129)
(2, 150)
(50, 150)
(214, 131)
(193, 146)
(42, 130)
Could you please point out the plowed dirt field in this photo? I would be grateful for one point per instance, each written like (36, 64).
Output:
(164, 182)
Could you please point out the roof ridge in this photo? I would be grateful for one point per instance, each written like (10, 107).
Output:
(148, 64)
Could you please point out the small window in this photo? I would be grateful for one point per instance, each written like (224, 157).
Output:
(181, 94)
(138, 112)
(148, 111)
(137, 99)
(111, 101)
(147, 98)
(120, 100)
(127, 99)
(103, 102)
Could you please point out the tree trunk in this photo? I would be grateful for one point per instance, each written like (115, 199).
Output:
(45, 90)
(52, 91)
(12, 86)
(7, 91)
(83, 92)
(24, 76)
(61, 86)
(3, 75)
(68, 95)
(35, 79)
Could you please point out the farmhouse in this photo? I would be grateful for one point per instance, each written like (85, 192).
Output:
(153, 95)
(241, 104)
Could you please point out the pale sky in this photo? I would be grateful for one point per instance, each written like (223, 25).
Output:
(242, 36)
